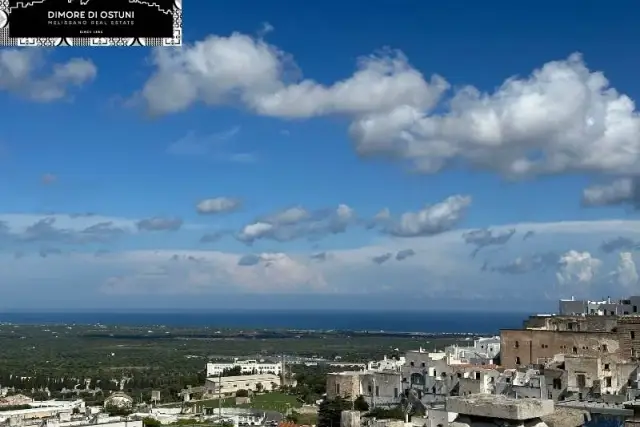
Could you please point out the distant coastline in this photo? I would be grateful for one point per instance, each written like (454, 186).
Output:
(445, 322)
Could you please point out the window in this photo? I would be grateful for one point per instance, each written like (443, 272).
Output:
(635, 308)
(508, 380)
(377, 390)
(516, 344)
(369, 389)
(395, 392)
(575, 350)
(517, 360)
(557, 384)
(607, 381)
(423, 364)
(337, 388)
(604, 348)
(412, 364)
(581, 380)
(606, 366)
(477, 375)
(633, 335)
(459, 374)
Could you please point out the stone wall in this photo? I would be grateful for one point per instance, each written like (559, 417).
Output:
(629, 335)
(344, 384)
(572, 323)
(524, 347)
(382, 388)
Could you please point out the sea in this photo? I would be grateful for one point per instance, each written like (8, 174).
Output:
(386, 321)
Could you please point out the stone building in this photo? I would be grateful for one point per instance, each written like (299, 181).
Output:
(572, 323)
(522, 347)
(589, 376)
(588, 335)
(379, 388)
(628, 329)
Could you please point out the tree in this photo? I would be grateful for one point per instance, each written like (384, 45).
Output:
(360, 404)
(232, 372)
(242, 393)
(329, 412)
(150, 422)
(259, 387)
(115, 410)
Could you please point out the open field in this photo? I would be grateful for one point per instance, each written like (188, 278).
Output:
(274, 401)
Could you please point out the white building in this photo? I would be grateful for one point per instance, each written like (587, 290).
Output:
(228, 386)
(387, 364)
(246, 367)
(482, 352)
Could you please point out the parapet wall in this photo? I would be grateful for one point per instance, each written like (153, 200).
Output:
(499, 406)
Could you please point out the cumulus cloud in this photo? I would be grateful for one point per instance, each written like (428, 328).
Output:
(404, 254)
(159, 224)
(619, 192)
(482, 238)
(626, 273)
(562, 118)
(29, 74)
(577, 268)
(381, 259)
(217, 205)
(239, 68)
(298, 222)
(430, 220)
(619, 244)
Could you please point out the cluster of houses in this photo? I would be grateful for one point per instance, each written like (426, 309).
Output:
(587, 356)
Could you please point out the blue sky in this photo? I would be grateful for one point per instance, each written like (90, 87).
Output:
(296, 125)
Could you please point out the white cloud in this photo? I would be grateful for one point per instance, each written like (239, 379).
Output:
(217, 205)
(438, 267)
(618, 192)
(577, 268)
(207, 271)
(212, 71)
(220, 70)
(626, 273)
(298, 222)
(562, 118)
(432, 219)
(27, 73)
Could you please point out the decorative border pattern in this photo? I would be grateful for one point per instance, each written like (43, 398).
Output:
(5, 40)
